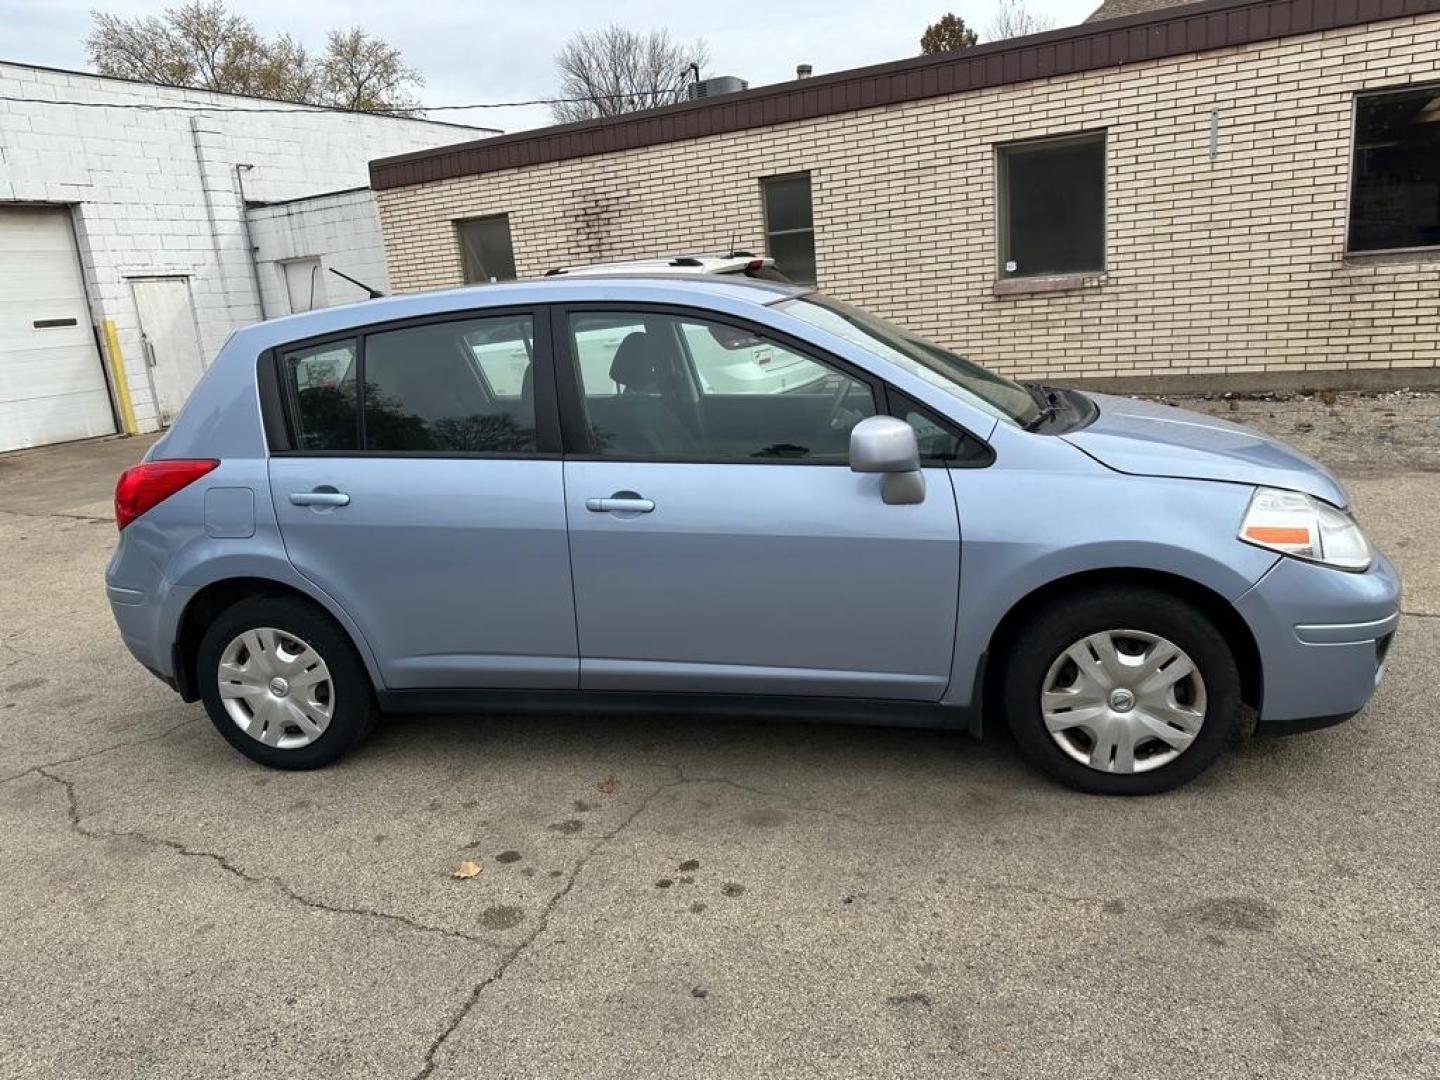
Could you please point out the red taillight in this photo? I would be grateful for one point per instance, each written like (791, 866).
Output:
(754, 266)
(152, 482)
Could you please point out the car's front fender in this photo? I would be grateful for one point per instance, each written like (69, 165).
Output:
(1025, 531)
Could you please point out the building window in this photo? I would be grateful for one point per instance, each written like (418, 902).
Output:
(789, 226)
(485, 249)
(1052, 206)
(1395, 194)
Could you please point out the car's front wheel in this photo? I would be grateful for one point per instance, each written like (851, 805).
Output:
(1122, 691)
(283, 684)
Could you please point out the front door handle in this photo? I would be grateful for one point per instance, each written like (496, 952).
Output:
(319, 497)
(622, 502)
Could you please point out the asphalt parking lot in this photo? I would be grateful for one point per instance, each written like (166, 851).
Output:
(667, 897)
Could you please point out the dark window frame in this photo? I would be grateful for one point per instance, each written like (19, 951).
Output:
(889, 401)
(980, 454)
(459, 226)
(765, 182)
(1353, 167)
(1002, 153)
(281, 424)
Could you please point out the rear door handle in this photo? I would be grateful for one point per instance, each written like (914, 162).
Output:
(622, 502)
(319, 497)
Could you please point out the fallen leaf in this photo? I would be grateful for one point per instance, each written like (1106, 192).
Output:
(466, 870)
(608, 786)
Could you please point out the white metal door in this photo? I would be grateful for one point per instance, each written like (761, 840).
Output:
(52, 382)
(171, 344)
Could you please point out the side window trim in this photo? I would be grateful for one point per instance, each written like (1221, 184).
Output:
(577, 443)
(274, 414)
(547, 418)
(899, 403)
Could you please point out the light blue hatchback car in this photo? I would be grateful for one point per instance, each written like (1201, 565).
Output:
(698, 495)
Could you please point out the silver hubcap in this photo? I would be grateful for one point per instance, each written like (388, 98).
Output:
(276, 688)
(1123, 701)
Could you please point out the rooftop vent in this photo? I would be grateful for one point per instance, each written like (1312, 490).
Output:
(714, 87)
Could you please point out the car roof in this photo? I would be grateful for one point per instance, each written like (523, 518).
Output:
(658, 288)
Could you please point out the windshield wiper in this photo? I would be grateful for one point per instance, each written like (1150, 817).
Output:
(1046, 401)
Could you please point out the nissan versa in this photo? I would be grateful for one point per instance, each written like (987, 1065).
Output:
(700, 494)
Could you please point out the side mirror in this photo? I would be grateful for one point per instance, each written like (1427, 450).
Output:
(884, 444)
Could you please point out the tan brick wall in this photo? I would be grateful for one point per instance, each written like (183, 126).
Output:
(1235, 264)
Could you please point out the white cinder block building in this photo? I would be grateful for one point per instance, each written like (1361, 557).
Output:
(299, 242)
(124, 260)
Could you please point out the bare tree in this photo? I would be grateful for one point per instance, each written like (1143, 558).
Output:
(617, 71)
(201, 44)
(362, 72)
(949, 34)
(1013, 19)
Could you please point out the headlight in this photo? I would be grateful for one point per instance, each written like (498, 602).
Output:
(1301, 525)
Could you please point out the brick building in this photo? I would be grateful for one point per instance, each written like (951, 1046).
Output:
(1235, 192)
(124, 255)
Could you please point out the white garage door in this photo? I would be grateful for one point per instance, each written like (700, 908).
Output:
(52, 386)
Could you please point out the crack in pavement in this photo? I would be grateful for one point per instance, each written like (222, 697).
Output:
(96, 753)
(41, 516)
(1420, 614)
(543, 922)
(77, 825)
(541, 925)
(19, 655)
(431, 1059)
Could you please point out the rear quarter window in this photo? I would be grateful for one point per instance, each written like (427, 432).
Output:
(319, 384)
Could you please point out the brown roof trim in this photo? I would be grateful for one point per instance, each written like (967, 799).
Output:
(1153, 35)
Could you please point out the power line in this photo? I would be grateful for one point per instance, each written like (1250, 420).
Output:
(302, 108)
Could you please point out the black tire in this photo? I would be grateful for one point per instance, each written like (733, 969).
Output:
(354, 712)
(1068, 620)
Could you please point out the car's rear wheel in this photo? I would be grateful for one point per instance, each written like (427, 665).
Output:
(1122, 691)
(283, 684)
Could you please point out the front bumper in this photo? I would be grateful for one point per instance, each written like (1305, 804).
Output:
(1323, 636)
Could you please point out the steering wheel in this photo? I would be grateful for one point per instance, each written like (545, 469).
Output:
(842, 395)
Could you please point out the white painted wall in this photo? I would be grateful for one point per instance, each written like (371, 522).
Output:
(156, 193)
(340, 230)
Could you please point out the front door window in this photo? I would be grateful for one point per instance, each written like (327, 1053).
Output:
(681, 388)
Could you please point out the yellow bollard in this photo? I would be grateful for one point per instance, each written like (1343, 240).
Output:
(117, 377)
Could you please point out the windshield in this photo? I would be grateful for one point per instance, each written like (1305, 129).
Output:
(955, 374)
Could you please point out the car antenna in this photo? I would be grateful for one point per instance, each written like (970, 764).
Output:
(375, 294)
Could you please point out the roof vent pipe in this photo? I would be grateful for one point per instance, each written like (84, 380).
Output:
(802, 71)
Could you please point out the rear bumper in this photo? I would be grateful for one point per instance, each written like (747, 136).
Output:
(135, 619)
(1323, 636)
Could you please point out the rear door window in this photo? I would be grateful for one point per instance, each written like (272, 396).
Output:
(465, 386)
(427, 388)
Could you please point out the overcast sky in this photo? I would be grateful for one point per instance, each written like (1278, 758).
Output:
(488, 51)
